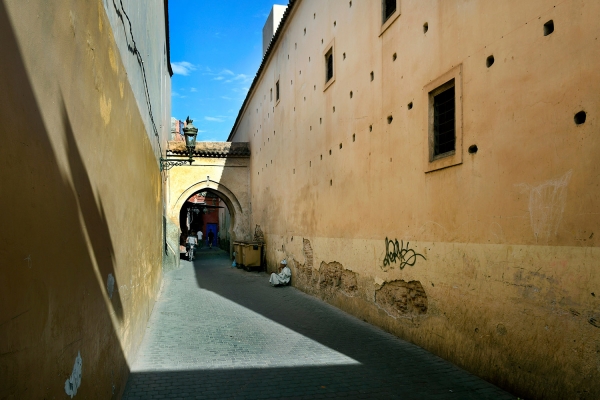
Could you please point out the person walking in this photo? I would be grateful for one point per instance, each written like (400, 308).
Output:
(190, 243)
(210, 236)
(200, 243)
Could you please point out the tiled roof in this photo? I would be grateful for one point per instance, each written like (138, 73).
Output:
(211, 149)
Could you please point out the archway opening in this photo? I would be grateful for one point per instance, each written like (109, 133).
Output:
(206, 211)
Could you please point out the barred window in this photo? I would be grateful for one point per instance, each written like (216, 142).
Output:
(444, 132)
(388, 8)
(444, 137)
(329, 65)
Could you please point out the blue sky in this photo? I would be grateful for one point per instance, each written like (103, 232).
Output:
(216, 49)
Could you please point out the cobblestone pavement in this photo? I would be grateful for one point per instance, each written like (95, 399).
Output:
(218, 332)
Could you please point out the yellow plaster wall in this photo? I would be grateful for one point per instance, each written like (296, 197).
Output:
(227, 177)
(508, 237)
(80, 202)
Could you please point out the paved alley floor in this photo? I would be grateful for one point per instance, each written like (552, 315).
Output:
(218, 332)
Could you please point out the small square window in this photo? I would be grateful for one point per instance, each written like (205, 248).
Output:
(329, 65)
(388, 8)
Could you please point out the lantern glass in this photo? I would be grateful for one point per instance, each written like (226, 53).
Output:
(190, 133)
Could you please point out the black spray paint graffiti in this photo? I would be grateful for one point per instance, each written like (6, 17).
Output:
(396, 252)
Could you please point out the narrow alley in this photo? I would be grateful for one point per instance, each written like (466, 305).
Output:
(427, 169)
(221, 332)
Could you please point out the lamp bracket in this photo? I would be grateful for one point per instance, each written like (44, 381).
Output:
(168, 163)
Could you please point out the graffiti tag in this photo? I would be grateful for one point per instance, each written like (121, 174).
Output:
(396, 252)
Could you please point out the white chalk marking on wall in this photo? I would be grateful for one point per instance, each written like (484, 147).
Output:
(28, 259)
(74, 381)
(110, 285)
(546, 206)
(498, 232)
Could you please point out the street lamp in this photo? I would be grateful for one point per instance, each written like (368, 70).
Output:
(190, 132)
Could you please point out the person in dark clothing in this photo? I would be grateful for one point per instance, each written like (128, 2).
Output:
(210, 236)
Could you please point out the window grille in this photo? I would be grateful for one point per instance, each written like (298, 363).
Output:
(444, 135)
(389, 7)
(329, 71)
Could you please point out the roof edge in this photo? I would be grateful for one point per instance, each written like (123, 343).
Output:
(168, 40)
(266, 58)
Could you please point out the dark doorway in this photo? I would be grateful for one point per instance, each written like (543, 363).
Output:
(214, 228)
(200, 213)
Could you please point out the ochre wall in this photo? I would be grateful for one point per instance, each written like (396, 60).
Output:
(225, 177)
(501, 250)
(80, 200)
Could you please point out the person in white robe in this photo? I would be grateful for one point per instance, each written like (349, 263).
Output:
(200, 239)
(190, 244)
(283, 277)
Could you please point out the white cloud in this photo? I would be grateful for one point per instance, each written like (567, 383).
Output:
(213, 119)
(241, 78)
(182, 68)
(219, 76)
(193, 89)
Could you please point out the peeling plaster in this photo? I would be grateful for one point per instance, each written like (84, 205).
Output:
(402, 299)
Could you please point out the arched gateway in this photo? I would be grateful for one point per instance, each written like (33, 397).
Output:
(220, 168)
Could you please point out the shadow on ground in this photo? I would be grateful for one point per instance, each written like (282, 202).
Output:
(382, 365)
